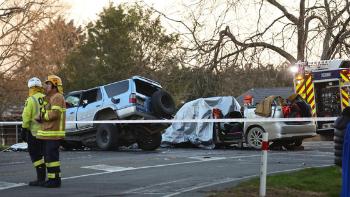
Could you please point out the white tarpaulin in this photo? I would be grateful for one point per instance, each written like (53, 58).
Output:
(19, 147)
(200, 134)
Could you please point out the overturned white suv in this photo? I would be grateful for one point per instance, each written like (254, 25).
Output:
(134, 98)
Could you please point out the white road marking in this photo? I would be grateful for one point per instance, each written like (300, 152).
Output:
(156, 166)
(204, 185)
(7, 185)
(144, 190)
(108, 168)
(227, 180)
(12, 163)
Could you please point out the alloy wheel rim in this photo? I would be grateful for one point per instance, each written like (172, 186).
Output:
(255, 138)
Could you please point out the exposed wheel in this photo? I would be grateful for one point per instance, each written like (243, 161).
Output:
(298, 142)
(254, 137)
(107, 136)
(163, 104)
(150, 142)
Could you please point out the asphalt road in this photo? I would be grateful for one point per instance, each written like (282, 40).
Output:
(165, 172)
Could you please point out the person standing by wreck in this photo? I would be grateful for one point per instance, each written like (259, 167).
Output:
(52, 119)
(32, 108)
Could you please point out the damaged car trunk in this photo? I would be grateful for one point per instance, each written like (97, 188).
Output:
(283, 133)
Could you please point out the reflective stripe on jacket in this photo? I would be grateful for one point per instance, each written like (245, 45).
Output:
(54, 118)
(31, 110)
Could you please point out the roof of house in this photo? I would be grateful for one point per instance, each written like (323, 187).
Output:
(260, 93)
(12, 113)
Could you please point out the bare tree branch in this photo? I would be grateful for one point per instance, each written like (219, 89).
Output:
(290, 16)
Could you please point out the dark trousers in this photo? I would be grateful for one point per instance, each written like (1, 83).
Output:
(36, 150)
(52, 158)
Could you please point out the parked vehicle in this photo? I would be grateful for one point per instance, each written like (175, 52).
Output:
(326, 86)
(284, 133)
(134, 98)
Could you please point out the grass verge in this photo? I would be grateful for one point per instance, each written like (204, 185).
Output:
(308, 183)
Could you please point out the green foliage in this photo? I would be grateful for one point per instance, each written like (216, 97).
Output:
(121, 43)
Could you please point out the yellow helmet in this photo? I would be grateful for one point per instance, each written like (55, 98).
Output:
(55, 80)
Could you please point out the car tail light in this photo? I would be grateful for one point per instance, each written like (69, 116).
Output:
(132, 98)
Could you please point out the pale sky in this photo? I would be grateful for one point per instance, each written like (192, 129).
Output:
(240, 21)
(83, 11)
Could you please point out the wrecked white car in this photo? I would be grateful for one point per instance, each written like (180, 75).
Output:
(207, 135)
(281, 133)
(201, 133)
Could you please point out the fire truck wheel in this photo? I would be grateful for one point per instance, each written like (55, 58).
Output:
(254, 137)
(298, 142)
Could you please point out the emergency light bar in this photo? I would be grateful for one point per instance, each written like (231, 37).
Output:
(321, 65)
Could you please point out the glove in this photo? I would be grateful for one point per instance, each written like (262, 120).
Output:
(24, 134)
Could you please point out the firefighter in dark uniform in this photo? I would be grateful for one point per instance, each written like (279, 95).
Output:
(52, 119)
(32, 108)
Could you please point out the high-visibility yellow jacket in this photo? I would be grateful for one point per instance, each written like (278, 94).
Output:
(53, 118)
(31, 110)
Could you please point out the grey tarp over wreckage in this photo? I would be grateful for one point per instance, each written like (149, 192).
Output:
(200, 134)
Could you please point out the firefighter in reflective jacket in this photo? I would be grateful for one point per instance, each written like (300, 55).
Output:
(52, 119)
(32, 108)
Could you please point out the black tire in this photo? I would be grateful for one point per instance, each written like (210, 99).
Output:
(150, 142)
(163, 104)
(298, 142)
(107, 136)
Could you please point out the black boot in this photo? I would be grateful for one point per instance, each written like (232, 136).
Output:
(53, 183)
(41, 176)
